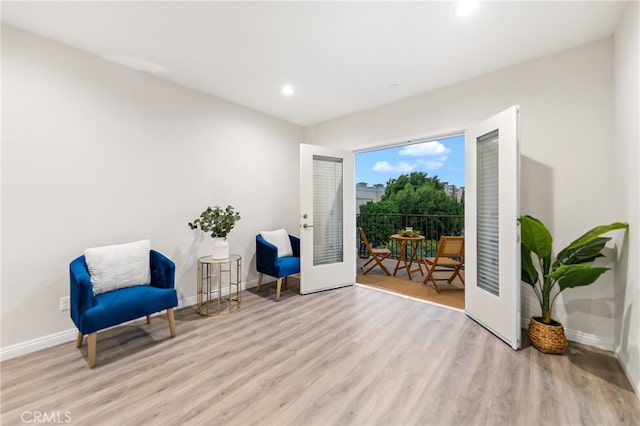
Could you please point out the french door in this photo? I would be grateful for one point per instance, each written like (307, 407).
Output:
(327, 218)
(492, 246)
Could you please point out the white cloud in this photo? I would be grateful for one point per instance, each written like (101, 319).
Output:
(433, 163)
(430, 156)
(385, 167)
(426, 149)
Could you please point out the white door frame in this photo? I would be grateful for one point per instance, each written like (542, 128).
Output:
(413, 140)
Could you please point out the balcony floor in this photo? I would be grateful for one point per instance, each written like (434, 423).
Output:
(401, 284)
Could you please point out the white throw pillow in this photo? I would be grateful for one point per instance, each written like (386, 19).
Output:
(119, 266)
(280, 239)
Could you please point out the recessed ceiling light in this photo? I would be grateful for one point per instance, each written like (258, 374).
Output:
(466, 7)
(287, 90)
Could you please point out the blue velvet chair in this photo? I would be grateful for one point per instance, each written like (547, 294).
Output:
(268, 262)
(92, 313)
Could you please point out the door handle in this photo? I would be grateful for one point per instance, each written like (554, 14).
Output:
(305, 226)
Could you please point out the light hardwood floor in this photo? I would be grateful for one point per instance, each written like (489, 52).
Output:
(352, 356)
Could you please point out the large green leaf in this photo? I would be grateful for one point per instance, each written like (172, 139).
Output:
(535, 236)
(580, 253)
(529, 272)
(564, 270)
(597, 231)
(580, 277)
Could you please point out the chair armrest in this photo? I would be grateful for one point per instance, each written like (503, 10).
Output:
(163, 270)
(80, 289)
(266, 256)
(295, 245)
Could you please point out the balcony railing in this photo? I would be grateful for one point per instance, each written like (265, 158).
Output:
(379, 228)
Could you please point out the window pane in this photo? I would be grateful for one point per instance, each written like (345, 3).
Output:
(487, 214)
(327, 210)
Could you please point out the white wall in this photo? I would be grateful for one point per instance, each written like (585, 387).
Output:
(627, 158)
(94, 153)
(568, 169)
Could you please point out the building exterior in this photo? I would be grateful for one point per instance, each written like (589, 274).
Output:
(366, 193)
(455, 192)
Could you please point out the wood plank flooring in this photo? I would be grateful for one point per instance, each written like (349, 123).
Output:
(352, 356)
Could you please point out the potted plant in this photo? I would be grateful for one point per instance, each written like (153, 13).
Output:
(572, 267)
(219, 222)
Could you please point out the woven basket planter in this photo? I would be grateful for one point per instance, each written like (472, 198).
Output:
(547, 338)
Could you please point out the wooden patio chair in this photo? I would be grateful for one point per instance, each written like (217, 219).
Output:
(449, 257)
(377, 255)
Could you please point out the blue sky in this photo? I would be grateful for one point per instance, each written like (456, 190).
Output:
(443, 158)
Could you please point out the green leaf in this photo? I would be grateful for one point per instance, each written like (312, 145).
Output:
(535, 236)
(216, 220)
(563, 270)
(529, 272)
(588, 246)
(581, 253)
(581, 277)
(597, 231)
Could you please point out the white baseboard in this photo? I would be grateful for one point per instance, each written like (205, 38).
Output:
(580, 337)
(589, 339)
(189, 301)
(630, 375)
(39, 343)
(44, 342)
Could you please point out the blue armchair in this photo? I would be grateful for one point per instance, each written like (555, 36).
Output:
(268, 262)
(92, 313)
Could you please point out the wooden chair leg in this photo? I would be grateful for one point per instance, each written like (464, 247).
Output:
(379, 262)
(172, 324)
(148, 319)
(259, 281)
(449, 281)
(461, 277)
(278, 286)
(426, 279)
(430, 276)
(364, 267)
(435, 284)
(456, 273)
(91, 340)
(79, 339)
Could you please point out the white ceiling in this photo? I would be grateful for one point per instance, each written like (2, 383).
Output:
(341, 57)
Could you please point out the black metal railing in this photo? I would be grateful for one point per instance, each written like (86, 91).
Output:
(380, 226)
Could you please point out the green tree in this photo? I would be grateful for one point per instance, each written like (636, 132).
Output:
(379, 220)
(419, 194)
(415, 179)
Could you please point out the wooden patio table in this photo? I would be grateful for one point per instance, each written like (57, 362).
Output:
(403, 263)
